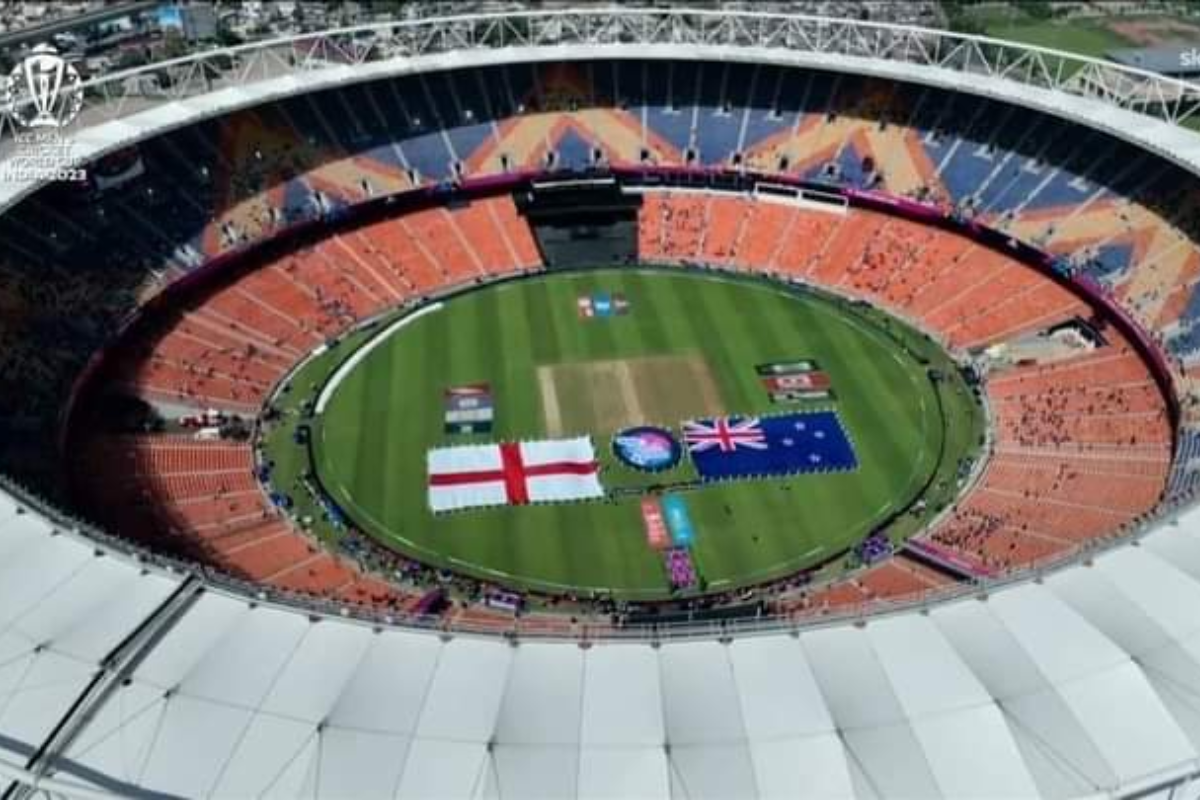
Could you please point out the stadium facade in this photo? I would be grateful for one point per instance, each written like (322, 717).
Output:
(126, 673)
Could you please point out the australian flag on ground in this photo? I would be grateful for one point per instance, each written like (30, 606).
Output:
(784, 444)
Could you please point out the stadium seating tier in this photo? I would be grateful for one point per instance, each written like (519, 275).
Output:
(75, 266)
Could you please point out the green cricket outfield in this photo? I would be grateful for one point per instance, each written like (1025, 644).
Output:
(687, 348)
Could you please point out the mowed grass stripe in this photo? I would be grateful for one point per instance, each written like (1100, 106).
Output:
(582, 557)
(768, 339)
(520, 409)
(403, 462)
(647, 319)
(865, 405)
(783, 505)
(579, 548)
(617, 543)
(727, 531)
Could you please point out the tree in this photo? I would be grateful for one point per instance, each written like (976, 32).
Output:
(227, 37)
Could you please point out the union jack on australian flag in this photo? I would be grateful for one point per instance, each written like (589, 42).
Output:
(784, 444)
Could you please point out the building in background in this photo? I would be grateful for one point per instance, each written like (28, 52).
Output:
(195, 22)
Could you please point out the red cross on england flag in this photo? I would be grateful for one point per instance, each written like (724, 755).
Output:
(473, 476)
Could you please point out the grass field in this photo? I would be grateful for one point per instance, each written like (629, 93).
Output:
(684, 330)
(1084, 38)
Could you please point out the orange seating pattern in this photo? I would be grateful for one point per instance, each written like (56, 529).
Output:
(939, 278)
(1081, 446)
(203, 498)
(229, 351)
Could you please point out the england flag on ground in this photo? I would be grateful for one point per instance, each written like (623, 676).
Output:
(513, 473)
(784, 444)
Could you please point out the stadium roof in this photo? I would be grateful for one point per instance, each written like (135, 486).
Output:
(119, 678)
(1182, 60)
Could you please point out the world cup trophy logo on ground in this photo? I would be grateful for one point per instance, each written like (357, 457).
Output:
(43, 91)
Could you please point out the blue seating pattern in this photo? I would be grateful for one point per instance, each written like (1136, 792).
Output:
(74, 265)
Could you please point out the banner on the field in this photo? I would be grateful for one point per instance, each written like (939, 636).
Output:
(647, 447)
(512, 473)
(786, 367)
(653, 522)
(679, 522)
(680, 569)
(785, 444)
(799, 397)
(793, 381)
(797, 386)
(469, 409)
(600, 305)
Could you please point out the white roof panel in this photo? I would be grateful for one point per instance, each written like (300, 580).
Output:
(543, 699)
(434, 770)
(971, 753)
(1097, 599)
(264, 753)
(854, 685)
(116, 598)
(1045, 721)
(623, 773)
(713, 771)
(539, 772)
(779, 693)
(35, 691)
(1178, 543)
(121, 737)
(892, 760)
(960, 729)
(927, 675)
(989, 649)
(63, 610)
(36, 573)
(1158, 588)
(317, 672)
(1040, 717)
(700, 699)
(811, 766)
(355, 764)
(1060, 642)
(389, 684)
(1104, 690)
(1127, 721)
(191, 639)
(193, 742)
(242, 666)
(19, 531)
(463, 699)
(622, 702)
